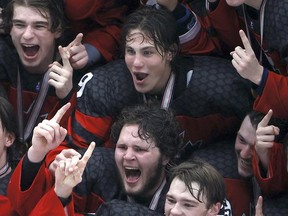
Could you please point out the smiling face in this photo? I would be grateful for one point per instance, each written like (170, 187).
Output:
(179, 200)
(149, 69)
(32, 38)
(139, 162)
(244, 145)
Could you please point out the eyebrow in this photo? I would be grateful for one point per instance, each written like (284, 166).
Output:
(185, 200)
(36, 22)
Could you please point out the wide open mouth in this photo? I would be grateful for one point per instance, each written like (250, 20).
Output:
(140, 76)
(132, 174)
(30, 50)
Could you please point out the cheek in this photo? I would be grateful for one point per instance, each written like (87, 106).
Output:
(128, 61)
(167, 207)
(117, 157)
(237, 147)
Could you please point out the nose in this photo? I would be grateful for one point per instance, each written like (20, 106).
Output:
(138, 61)
(129, 154)
(175, 210)
(28, 33)
(247, 151)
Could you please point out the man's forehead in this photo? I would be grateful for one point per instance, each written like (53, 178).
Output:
(21, 12)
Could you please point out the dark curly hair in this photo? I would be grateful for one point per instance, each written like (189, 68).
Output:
(154, 123)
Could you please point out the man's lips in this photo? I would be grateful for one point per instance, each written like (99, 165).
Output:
(246, 163)
(30, 50)
(140, 76)
(132, 174)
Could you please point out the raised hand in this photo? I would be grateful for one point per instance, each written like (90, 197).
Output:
(265, 136)
(245, 61)
(78, 55)
(63, 155)
(69, 172)
(47, 135)
(61, 77)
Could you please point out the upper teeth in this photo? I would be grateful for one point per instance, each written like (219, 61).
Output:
(130, 168)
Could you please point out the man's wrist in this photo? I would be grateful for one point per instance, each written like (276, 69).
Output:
(35, 156)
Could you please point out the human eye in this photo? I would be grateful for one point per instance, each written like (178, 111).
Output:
(18, 24)
(129, 51)
(139, 149)
(148, 53)
(41, 26)
(189, 205)
(121, 147)
(242, 140)
(170, 200)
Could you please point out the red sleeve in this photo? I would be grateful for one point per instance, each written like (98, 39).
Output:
(51, 205)
(24, 201)
(239, 194)
(100, 21)
(274, 96)
(278, 178)
(5, 206)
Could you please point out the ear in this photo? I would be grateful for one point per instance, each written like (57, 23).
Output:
(165, 160)
(9, 139)
(213, 211)
(57, 34)
(169, 56)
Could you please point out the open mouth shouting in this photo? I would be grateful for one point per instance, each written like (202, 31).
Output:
(132, 175)
(139, 76)
(30, 51)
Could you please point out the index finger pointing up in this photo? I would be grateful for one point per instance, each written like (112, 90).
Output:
(77, 41)
(246, 42)
(88, 153)
(264, 122)
(60, 113)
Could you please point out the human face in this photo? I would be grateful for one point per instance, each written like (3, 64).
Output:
(179, 201)
(244, 145)
(139, 162)
(150, 71)
(33, 40)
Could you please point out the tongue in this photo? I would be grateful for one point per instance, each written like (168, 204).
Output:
(31, 51)
(141, 76)
(133, 175)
